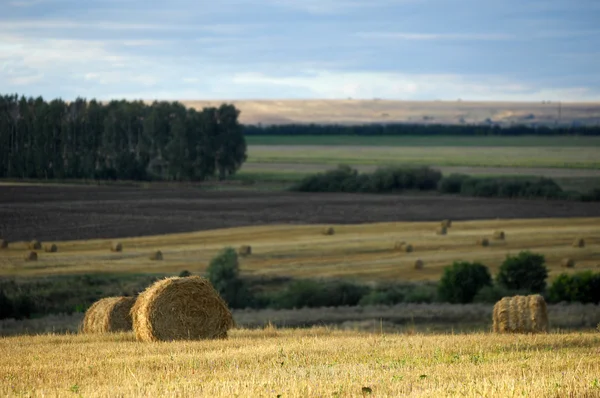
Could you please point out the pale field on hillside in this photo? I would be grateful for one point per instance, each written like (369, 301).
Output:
(364, 251)
(304, 363)
(422, 112)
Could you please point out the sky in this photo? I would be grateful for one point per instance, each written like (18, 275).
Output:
(496, 50)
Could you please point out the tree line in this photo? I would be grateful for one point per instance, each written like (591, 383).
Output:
(117, 140)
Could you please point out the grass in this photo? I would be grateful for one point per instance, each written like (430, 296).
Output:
(363, 252)
(299, 363)
(424, 141)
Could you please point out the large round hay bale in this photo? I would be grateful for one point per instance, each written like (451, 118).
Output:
(441, 230)
(116, 247)
(328, 231)
(180, 309)
(446, 223)
(110, 314)
(483, 242)
(34, 245)
(567, 263)
(419, 264)
(499, 235)
(579, 242)
(3, 244)
(520, 314)
(51, 248)
(156, 256)
(245, 250)
(31, 256)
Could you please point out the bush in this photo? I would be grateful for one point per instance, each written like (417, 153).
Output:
(583, 287)
(421, 294)
(311, 293)
(185, 273)
(453, 183)
(461, 282)
(525, 271)
(223, 274)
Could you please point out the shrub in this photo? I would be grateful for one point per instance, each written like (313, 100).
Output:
(185, 273)
(583, 287)
(311, 293)
(525, 271)
(223, 274)
(462, 280)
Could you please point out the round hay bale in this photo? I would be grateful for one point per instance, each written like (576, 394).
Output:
(520, 314)
(567, 263)
(116, 247)
(407, 248)
(442, 230)
(499, 235)
(31, 256)
(245, 250)
(328, 231)
(419, 264)
(34, 245)
(399, 245)
(3, 244)
(110, 314)
(580, 242)
(156, 256)
(483, 242)
(180, 309)
(51, 248)
(446, 223)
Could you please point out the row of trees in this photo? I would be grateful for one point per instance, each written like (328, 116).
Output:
(117, 140)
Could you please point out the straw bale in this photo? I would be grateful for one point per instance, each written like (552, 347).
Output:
(51, 248)
(181, 309)
(31, 256)
(568, 263)
(419, 264)
(520, 314)
(110, 314)
(446, 223)
(483, 242)
(499, 235)
(579, 242)
(34, 245)
(116, 247)
(156, 256)
(404, 247)
(245, 250)
(441, 231)
(328, 231)
(399, 245)
(3, 244)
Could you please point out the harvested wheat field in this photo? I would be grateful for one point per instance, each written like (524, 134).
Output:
(303, 363)
(365, 251)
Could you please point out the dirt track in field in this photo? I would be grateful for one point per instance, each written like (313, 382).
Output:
(88, 212)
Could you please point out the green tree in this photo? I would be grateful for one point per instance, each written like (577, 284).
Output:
(223, 273)
(526, 271)
(462, 281)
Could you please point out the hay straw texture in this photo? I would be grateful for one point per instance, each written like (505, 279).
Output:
(579, 243)
(483, 242)
(521, 314)
(328, 231)
(31, 256)
(110, 314)
(34, 245)
(446, 223)
(156, 256)
(180, 309)
(245, 250)
(568, 263)
(116, 247)
(499, 235)
(419, 264)
(3, 244)
(442, 231)
(51, 248)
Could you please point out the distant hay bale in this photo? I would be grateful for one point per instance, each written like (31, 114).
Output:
(328, 231)
(483, 242)
(499, 235)
(34, 245)
(398, 245)
(180, 309)
(3, 244)
(521, 314)
(31, 256)
(116, 247)
(568, 263)
(404, 247)
(51, 248)
(580, 242)
(245, 250)
(156, 256)
(446, 223)
(419, 264)
(110, 314)
(441, 230)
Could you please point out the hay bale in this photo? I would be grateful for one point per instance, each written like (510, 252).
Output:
(156, 256)
(180, 309)
(245, 250)
(116, 247)
(483, 242)
(441, 231)
(110, 314)
(520, 314)
(580, 242)
(51, 248)
(419, 264)
(499, 235)
(31, 256)
(399, 245)
(328, 231)
(446, 223)
(3, 244)
(34, 245)
(567, 263)
(406, 248)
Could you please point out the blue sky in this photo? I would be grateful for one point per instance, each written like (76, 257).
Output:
(513, 50)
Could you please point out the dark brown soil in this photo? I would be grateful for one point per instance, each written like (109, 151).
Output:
(88, 212)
